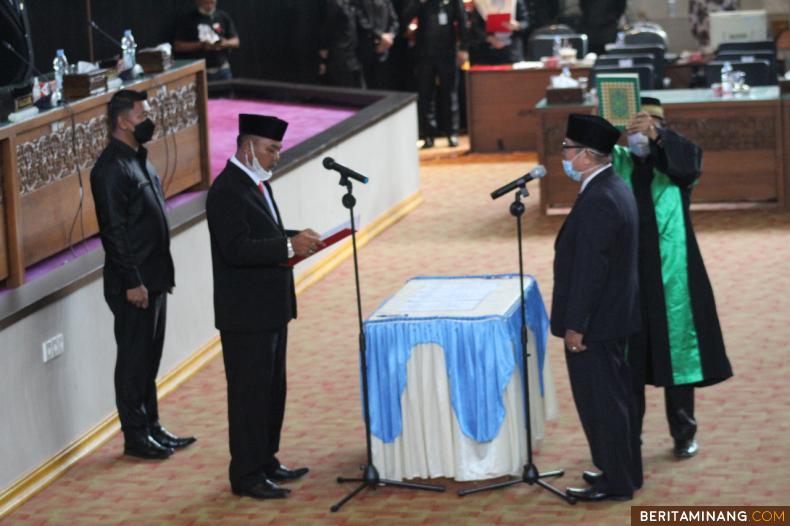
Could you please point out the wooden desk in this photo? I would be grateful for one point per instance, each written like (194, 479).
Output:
(741, 139)
(45, 164)
(500, 106)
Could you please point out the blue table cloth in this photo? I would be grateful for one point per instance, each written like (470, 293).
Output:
(477, 321)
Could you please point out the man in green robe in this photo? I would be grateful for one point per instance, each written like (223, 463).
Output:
(680, 346)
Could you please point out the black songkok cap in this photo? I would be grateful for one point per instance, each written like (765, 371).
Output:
(262, 126)
(652, 106)
(593, 132)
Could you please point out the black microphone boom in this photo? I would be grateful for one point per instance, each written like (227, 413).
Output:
(24, 61)
(106, 35)
(536, 173)
(330, 164)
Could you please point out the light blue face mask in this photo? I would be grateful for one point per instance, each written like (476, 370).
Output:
(574, 174)
(639, 145)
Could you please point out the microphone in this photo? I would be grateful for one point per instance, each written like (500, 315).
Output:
(25, 61)
(330, 164)
(103, 33)
(536, 173)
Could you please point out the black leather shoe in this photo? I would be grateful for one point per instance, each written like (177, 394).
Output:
(594, 495)
(591, 477)
(146, 447)
(686, 448)
(452, 141)
(283, 474)
(167, 439)
(262, 489)
(427, 143)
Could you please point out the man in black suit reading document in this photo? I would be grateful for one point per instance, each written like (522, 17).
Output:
(254, 300)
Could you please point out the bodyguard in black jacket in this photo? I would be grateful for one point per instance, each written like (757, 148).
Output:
(338, 45)
(378, 25)
(138, 271)
(595, 307)
(442, 39)
(253, 302)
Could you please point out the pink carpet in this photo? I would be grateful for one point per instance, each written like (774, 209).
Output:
(304, 120)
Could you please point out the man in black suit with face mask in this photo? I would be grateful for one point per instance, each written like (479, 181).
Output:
(595, 307)
(253, 302)
(138, 271)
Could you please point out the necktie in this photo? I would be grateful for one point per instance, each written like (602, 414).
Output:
(269, 204)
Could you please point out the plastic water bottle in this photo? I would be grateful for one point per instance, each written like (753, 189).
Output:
(620, 39)
(726, 79)
(61, 66)
(555, 49)
(129, 48)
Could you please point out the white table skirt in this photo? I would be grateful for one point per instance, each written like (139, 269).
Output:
(432, 444)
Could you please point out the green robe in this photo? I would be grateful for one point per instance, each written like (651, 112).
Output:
(680, 342)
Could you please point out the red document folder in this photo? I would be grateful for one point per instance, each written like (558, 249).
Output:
(498, 23)
(328, 242)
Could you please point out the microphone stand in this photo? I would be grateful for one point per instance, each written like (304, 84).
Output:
(530, 474)
(370, 475)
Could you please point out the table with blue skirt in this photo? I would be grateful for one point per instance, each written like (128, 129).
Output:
(445, 377)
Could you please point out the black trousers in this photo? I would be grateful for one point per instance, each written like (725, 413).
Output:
(679, 406)
(140, 336)
(376, 73)
(255, 371)
(343, 77)
(442, 95)
(601, 384)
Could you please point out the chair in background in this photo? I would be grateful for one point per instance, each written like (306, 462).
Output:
(756, 45)
(554, 29)
(543, 45)
(628, 61)
(758, 73)
(747, 55)
(646, 33)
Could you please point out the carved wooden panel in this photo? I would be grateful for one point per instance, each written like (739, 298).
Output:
(730, 132)
(54, 156)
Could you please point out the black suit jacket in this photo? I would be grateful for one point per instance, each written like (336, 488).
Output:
(253, 289)
(433, 38)
(130, 207)
(338, 35)
(596, 284)
(374, 17)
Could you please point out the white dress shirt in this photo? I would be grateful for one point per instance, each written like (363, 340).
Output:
(256, 180)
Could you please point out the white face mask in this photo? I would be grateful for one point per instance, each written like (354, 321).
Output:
(262, 173)
(639, 145)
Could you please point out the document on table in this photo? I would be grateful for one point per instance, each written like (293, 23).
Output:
(448, 295)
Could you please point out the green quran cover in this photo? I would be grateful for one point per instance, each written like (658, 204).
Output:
(618, 97)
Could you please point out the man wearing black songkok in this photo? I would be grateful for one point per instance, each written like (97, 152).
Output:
(253, 302)
(595, 307)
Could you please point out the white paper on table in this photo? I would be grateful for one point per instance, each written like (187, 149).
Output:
(448, 296)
